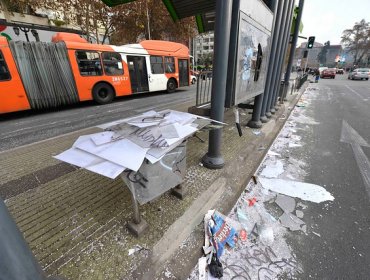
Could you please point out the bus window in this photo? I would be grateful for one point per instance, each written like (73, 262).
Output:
(112, 63)
(89, 63)
(4, 72)
(156, 63)
(169, 63)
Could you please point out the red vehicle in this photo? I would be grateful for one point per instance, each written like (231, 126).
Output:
(328, 73)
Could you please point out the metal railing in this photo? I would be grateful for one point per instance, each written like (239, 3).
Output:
(204, 88)
(300, 80)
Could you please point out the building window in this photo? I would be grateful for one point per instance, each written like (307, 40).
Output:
(169, 64)
(89, 63)
(112, 63)
(4, 71)
(156, 63)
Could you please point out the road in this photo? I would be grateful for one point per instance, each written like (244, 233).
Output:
(28, 127)
(337, 154)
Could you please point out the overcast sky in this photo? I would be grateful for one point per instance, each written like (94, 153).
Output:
(326, 19)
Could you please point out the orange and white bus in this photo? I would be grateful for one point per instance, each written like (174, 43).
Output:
(69, 70)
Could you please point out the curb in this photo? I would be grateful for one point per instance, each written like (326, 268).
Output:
(167, 255)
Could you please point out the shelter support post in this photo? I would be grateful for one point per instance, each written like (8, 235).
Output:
(277, 27)
(213, 159)
(283, 43)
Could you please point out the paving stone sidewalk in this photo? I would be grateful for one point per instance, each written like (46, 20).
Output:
(75, 220)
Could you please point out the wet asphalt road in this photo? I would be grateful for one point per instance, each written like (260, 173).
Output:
(27, 127)
(342, 251)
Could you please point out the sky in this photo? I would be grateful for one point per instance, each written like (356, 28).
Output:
(326, 19)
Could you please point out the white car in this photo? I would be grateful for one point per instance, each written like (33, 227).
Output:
(193, 79)
(359, 74)
(322, 69)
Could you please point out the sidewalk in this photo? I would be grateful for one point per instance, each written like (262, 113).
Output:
(75, 221)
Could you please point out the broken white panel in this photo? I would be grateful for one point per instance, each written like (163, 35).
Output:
(86, 144)
(291, 222)
(78, 157)
(147, 119)
(160, 152)
(182, 118)
(91, 162)
(304, 191)
(273, 170)
(183, 131)
(107, 169)
(168, 131)
(122, 152)
(102, 137)
(286, 203)
(107, 125)
(125, 153)
(153, 159)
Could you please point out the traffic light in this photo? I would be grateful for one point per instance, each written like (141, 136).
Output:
(311, 40)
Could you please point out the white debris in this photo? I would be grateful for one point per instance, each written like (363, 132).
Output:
(202, 265)
(299, 214)
(273, 170)
(271, 153)
(286, 203)
(304, 191)
(291, 222)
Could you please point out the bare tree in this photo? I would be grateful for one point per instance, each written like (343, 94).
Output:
(357, 40)
(321, 57)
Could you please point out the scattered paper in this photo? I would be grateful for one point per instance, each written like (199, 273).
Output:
(304, 191)
(202, 265)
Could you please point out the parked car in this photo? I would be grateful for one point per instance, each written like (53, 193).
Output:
(328, 73)
(322, 69)
(359, 74)
(340, 71)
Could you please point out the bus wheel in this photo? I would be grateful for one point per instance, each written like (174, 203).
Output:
(103, 93)
(171, 85)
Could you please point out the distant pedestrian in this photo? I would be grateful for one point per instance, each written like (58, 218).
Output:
(317, 77)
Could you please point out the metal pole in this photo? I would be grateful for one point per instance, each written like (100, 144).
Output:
(305, 65)
(17, 261)
(255, 122)
(213, 159)
(274, 77)
(294, 42)
(284, 46)
(282, 58)
(274, 39)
